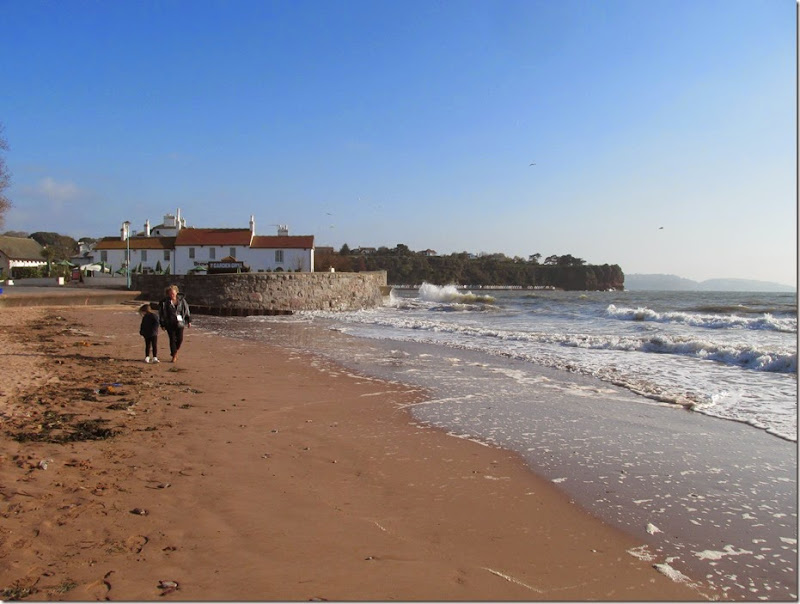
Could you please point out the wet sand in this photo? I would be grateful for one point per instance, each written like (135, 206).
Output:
(713, 499)
(247, 472)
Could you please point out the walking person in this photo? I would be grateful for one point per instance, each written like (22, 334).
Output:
(173, 313)
(149, 331)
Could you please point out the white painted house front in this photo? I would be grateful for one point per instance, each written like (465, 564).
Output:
(174, 247)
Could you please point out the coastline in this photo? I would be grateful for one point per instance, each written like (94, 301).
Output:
(270, 475)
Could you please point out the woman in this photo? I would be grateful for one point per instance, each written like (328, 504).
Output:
(173, 314)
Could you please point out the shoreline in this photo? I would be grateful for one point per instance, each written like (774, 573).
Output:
(714, 499)
(270, 475)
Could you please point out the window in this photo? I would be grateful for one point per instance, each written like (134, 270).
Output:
(144, 255)
(233, 252)
(278, 255)
(166, 255)
(103, 256)
(212, 253)
(191, 252)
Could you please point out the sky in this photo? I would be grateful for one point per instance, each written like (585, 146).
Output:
(663, 133)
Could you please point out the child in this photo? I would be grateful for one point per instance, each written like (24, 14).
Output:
(149, 330)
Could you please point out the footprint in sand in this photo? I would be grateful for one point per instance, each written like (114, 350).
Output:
(98, 590)
(136, 543)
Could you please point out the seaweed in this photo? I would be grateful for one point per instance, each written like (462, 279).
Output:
(16, 592)
(55, 428)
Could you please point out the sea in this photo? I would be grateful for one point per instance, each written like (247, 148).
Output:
(672, 415)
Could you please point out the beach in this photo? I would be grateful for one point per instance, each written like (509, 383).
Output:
(251, 472)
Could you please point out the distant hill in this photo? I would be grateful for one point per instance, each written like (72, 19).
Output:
(674, 283)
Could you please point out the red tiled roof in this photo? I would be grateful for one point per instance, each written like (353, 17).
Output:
(136, 243)
(303, 242)
(195, 236)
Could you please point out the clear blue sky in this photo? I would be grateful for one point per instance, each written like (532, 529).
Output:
(383, 122)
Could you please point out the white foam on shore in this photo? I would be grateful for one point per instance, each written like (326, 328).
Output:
(511, 579)
(652, 529)
(728, 550)
(666, 570)
(642, 553)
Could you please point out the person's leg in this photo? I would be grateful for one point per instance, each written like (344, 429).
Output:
(178, 342)
(173, 349)
(155, 347)
(146, 349)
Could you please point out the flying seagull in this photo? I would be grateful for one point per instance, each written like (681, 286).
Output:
(660, 228)
(533, 164)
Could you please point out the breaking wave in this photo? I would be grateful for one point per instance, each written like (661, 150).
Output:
(711, 321)
(443, 298)
(746, 357)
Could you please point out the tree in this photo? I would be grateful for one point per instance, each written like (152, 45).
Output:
(345, 250)
(5, 178)
(48, 253)
(534, 258)
(570, 260)
(63, 246)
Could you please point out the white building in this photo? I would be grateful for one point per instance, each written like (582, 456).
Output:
(19, 252)
(178, 249)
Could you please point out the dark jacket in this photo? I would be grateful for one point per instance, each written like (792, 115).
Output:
(168, 314)
(149, 327)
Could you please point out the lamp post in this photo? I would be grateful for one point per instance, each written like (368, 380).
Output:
(127, 226)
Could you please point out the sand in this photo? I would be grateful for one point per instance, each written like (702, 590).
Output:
(247, 472)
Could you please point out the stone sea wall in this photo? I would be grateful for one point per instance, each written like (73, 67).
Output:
(244, 294)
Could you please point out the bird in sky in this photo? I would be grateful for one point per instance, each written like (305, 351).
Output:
(660, 228)
(533, 164)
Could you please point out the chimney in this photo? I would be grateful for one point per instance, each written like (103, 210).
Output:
(283, 230)
(123, 232)
(147, 228)
(252, 225)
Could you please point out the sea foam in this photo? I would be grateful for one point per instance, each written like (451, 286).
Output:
(450, 293)
(710, 321)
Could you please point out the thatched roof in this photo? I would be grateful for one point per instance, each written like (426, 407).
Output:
(20, 248)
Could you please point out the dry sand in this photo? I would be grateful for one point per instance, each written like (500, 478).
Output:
(246, 473)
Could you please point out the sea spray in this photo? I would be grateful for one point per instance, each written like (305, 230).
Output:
(451, 294)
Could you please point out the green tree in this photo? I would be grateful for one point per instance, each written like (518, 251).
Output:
(570, 260)
(49, 254)
(64, 247)
(344, 250)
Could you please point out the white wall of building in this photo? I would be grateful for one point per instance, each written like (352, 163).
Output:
(258, 259)
(116, 258)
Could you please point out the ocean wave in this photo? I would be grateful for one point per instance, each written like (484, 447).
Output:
(451, 294)
(746, 357)
(745, 309)
(711, 321)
